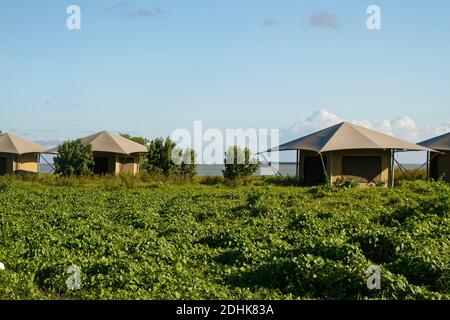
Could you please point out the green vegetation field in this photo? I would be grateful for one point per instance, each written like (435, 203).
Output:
(192, 241)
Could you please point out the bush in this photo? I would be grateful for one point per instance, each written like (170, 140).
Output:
(164, 157)
(74, 159)
(211, 180)
(5, 185)
(239, 163)
(346, 183)
(188, 166)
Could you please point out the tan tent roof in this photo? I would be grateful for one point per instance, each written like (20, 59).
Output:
(348, 136)
(107, 142)
(10, 143)
(441, 143)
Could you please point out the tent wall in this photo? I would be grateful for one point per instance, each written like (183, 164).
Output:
(334, 163)
(440, 166)
(119, 164)
(28, 163)
(25, 162)
(382, 166)
(127, 165)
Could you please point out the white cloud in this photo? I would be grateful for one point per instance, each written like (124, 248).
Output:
(324, 19)
(126, 9)
(430, 131)
(320, 119)
(403, 127)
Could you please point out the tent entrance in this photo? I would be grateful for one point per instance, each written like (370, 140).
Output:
(440, 167)
(362, 169)
(434, 169)
(445, 167)
(313, 170)
(100, 165)
(2, 166)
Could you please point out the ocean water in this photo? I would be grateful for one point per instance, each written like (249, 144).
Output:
(285, 169)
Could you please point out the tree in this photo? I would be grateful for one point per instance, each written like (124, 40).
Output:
(188, 166)
(74, 159)
(166, 158)
(239, 163)
(141, 140)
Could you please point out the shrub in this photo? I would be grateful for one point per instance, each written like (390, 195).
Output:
(164, 157)
(5, 185)
(239, 163)
(74, 159)
(188, 166)
(211, 180)
(346, 183)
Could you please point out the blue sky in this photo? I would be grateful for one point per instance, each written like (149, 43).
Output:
(149, 67)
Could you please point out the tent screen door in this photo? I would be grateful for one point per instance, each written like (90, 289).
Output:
(362, 169)
(313, 169)
(2, 166)
(100, 165)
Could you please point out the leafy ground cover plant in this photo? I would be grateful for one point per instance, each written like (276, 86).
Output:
(166, 240)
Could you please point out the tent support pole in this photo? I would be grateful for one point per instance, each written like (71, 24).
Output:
(324, 169)
(297, 166)
(277, 173)
(392, 168)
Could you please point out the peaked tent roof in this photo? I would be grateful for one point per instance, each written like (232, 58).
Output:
(348, 136)
(10, 143)
(441, 142)
(105, 141)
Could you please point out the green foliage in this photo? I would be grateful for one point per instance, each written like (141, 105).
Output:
(188, 166)
(346, 183)
(5, 185)
(239, 163)
(74, 159)
(410, 174)
(135, 238)
(164, 157)
(141, 140)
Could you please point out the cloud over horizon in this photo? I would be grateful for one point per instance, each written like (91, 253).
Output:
(126, 9)
(403, 127)
(270, 22)
(323, 19)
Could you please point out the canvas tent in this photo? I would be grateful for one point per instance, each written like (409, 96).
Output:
(113, 154)
(18, 155)
(347, 150)
(438, 162)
